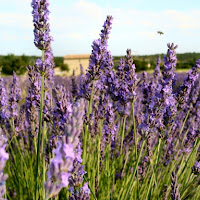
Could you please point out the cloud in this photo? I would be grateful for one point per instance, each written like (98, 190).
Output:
(14, 20)
(89, 9)
(147, 34)
(82, 20)
(75, 35)
(9, 37)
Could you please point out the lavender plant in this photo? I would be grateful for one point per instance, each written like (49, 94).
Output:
(3, 158)
(108, 134)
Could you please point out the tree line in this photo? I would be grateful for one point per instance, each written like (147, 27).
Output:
(11, 62)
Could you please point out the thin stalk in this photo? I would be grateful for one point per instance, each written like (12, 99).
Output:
(135, 140)
(43, 159)
(43, 149)
(134, 128)
(86, 128)
(130, 184)
(99, 152)
(40, 130)
(183, 125)
(123, 130)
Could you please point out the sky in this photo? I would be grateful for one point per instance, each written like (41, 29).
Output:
(75, 24)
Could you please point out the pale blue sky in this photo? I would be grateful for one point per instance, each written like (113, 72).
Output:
(76, 23)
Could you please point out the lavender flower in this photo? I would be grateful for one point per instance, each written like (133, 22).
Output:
(33, 99)
(60, 167)
(82, 76)
(76, 178)
(4, 112)
(167, 92)
(123, 89)
(15, 97)
(196, 168)
(194, 94)
(49, 73)
(183, 92)
(40, 18)
(62, 110)
(174, 185)
(162, 105)
(157, 72)
(74, 89)
(145, 90)
(97, 64)
(3, 158)
(109, 129)
(62, 164)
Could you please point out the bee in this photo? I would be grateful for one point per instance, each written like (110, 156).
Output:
(160, 32)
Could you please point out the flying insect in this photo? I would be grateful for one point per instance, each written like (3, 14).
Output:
(160, 32)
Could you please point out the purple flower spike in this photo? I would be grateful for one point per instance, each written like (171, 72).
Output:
(196, 168)
(175, 195)
(62, 110)
(123, 91)
(184, 90)
(4, 112)
(15, 97)
(97, 59)
(61, 165)
(74, 89)
(40, 18)
(3, 158)
(76, 179)
(161, 103)
(33, 99)
(156, 73)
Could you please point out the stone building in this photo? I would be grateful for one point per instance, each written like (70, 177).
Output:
(74, 61)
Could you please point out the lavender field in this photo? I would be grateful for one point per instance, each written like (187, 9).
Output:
(104, 135)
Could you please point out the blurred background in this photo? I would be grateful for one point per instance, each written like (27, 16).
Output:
(137, 24)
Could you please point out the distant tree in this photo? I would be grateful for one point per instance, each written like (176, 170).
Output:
(12, 63)
(140, 65)
(64, 67)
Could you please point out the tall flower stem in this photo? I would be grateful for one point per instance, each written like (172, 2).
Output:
(43, 154)
(86, 128)
(123, 130)
(135, 140)
(40, 130)
(130, 184)
(99, 151)
(134, 129)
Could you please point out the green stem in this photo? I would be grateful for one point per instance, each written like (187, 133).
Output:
(43, 149)
(39, 132)
(86, 134)
(135, 140)
(99, 152)
(134, 128)
(123, 130)
(130, 184)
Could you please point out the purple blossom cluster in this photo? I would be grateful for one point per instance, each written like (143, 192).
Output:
(175, 188)
(183, 92)
(97, 59)
(41, 26)
(3, 158)
(122, 89)
(4, 111)
(15, 97)
(61, 165)
(76, 179)
(62, 110)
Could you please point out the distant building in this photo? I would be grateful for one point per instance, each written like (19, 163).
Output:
(74, 61)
